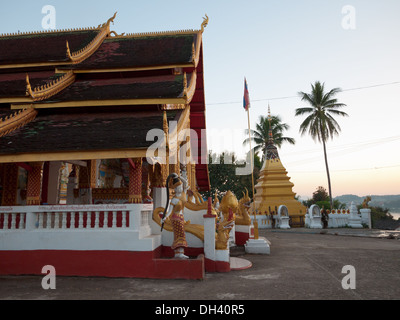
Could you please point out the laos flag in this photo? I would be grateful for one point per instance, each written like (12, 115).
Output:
(246, 98)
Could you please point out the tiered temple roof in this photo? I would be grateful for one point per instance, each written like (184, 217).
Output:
(91, 94)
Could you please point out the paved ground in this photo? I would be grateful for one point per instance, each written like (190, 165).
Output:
(303, 264)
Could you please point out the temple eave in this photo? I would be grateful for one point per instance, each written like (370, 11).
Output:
(73, 155)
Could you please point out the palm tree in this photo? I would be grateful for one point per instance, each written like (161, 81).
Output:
(320, 123)
(260, 136)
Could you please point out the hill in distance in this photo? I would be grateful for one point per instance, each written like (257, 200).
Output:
(391, 202)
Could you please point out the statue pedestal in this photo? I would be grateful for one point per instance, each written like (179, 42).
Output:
(366, 217)
(258, 246)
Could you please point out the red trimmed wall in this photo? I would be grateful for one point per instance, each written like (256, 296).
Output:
(102, 263)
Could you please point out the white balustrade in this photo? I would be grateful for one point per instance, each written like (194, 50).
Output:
(12, 221)
(77, 227)
(44, 218)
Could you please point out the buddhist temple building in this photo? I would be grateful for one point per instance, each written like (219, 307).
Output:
(84, 100)
(79, 111)
(274, 187)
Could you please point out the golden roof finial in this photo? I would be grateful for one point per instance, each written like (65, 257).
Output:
(270, 126)
(111, 20)
(269, 112)
(205, 23)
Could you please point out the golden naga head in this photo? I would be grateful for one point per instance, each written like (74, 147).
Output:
(205, 23)
(229, 201)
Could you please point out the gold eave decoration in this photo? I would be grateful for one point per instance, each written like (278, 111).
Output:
(189, 90)
(46, 91)
(86, 52)
(16, 120)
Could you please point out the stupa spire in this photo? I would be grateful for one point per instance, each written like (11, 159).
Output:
(271, 150)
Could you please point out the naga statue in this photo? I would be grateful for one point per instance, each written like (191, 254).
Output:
(228, 201)
(222, 231)
(242, 215)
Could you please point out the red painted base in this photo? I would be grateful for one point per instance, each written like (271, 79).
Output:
(241, 238)
(217, 266)
(167, 252)
(102, 264)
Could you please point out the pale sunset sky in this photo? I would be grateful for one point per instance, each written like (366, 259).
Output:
(281, 47)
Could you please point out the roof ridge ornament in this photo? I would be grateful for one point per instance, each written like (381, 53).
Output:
(17, 120)
(88, 50)
(49, 89)
(205, 23)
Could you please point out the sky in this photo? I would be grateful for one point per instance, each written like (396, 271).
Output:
(281, 47)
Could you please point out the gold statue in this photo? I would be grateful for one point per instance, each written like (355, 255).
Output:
(176, 217)
(223, 230)
(366, 201)
(228, 201)
(242, 216)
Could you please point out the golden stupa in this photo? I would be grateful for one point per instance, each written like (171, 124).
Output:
(274, 188)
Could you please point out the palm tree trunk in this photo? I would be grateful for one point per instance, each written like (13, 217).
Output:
(327, 173)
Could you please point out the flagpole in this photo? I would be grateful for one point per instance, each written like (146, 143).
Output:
(252, 179)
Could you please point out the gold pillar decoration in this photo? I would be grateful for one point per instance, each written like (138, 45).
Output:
(165, 167)
(34, 185)
(135, 181)
(92, 171)
(10, 184)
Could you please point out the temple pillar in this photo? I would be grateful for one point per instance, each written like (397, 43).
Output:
(135, 181)
(10, 184)
(53, 182)
(34, 185)
(159, 177)
(87, 181)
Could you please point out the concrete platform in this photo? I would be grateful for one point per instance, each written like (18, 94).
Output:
(239, 264)
(303, 265)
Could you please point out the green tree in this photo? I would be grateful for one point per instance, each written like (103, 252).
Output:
(320, 123)
(321, 198)
(320, 194)
(260, 136)
(223, 178)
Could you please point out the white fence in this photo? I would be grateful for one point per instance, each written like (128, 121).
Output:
(80, 227)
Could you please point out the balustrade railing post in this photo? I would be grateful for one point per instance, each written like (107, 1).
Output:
(97, 219)
(123, 219)
(22, 216)
(64, 220)
(114, 219)
(80, 226)
(88, 220)
(105, 220)
(56, 220)
(13, 220)
(40, 226)
(72, 225)
(48, 220)
(5, 221)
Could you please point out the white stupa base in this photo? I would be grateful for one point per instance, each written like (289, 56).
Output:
(258, 246)
(355, 223)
